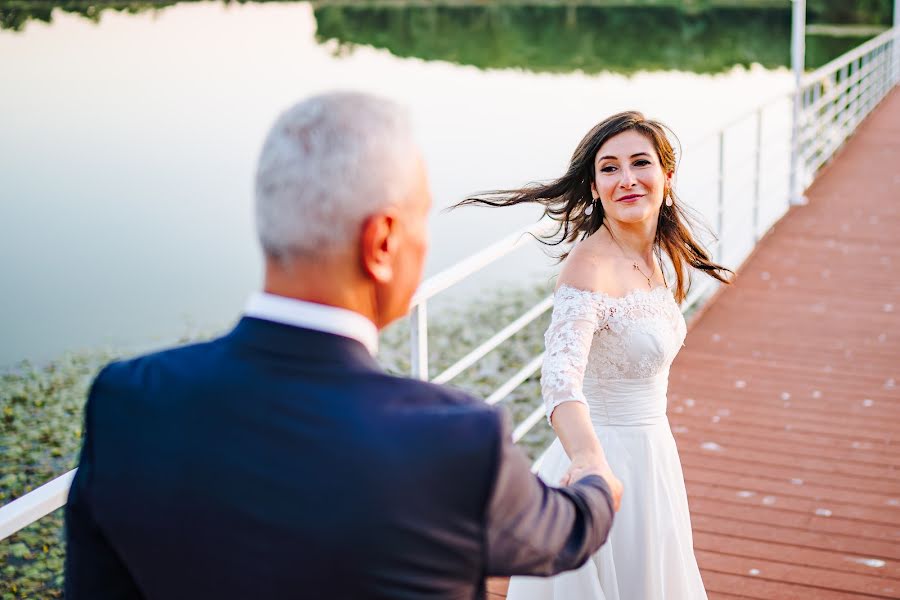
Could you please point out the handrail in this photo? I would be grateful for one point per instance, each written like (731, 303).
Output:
(838, 95)
(530, 421)
(837, 91)
(418, 315)
(37, 503)
(475, 262)
(498, 338)
(841, 61)
(516, 380)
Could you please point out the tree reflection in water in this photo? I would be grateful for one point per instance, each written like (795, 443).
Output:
(588, 38)
(552, 38)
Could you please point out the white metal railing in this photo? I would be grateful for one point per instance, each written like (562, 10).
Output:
(836, 97)
(24, 511)
(438, 283)
(834, 100)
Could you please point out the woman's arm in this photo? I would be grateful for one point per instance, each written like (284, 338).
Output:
(576, 316)
(572, 423)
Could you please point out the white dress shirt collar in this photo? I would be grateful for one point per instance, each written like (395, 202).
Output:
(308, 315)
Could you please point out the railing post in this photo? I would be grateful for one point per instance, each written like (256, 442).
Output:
(842, 102)
(887, 70)
(757, 173)
(874, 59)
(418, 341)
(798, 62)
(895, 42)
(720, 205)
(865, 68)
(858, 87)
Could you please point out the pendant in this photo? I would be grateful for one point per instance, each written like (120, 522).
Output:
(638, 269)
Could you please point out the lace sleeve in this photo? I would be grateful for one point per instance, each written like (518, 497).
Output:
(577, 314)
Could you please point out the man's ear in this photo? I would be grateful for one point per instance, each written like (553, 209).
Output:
(378, 244)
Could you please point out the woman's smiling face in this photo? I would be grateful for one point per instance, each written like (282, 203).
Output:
(628, 178)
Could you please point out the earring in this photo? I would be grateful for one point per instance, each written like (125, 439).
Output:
(669, 201)
(590, 209)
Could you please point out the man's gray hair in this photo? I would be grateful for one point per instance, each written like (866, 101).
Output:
(328, 163)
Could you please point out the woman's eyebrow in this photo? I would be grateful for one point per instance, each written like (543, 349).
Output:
(615, 157)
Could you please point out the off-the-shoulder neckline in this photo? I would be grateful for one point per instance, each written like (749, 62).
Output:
(634, 292)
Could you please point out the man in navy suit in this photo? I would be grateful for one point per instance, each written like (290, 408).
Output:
(280, 461)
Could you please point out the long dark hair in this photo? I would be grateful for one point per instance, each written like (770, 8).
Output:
(566, 198)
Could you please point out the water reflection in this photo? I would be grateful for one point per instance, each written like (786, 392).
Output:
(545, 38)
(562, 39)
(16, 13)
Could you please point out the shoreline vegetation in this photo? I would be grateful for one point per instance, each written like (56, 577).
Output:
(564, 39)
(41, 406)
(708, 36)
(840, 11)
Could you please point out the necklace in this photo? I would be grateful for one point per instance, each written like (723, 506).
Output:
(635, 265)
(638, 269)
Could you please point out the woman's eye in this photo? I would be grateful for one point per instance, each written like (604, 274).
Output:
(641, 163)
(608, 169)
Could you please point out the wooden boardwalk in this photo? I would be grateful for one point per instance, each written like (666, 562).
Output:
(785, 400)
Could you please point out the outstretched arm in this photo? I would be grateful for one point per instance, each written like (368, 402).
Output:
(535, 529)
(572, 423)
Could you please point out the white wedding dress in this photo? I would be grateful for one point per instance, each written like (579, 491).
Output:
(613, 354)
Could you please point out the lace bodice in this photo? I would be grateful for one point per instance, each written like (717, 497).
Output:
(600, 338)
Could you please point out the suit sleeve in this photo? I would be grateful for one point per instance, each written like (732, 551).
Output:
(93, 568)
(535, 529)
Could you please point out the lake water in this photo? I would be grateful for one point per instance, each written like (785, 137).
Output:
(127, 145)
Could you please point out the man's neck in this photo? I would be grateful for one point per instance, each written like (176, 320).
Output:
(315, 316)
(322, 283)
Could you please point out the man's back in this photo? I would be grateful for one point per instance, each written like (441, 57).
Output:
(280, 462)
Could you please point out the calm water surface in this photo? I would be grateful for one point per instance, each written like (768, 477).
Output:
(127, 146)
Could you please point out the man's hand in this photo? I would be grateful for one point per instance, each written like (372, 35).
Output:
(591, 464)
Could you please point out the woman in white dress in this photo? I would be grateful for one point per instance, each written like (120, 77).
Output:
(615, 330)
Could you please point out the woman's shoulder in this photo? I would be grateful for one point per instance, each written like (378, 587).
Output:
(591, 267)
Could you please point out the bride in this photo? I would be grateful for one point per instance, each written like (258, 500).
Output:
(615, 330)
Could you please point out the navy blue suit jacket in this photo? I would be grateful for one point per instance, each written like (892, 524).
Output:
(279, 462)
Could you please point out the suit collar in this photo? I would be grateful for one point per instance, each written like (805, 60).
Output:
(310, 315)
(301, 343)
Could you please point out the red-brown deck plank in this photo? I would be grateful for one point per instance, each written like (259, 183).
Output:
(792, 573)
(884, 519)
(794, 372)
(753, 549)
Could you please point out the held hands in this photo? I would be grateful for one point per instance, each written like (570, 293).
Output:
(572, 423)
(594, 464)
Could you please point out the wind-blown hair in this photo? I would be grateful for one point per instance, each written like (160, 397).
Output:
(327, 164)
(566, 198)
